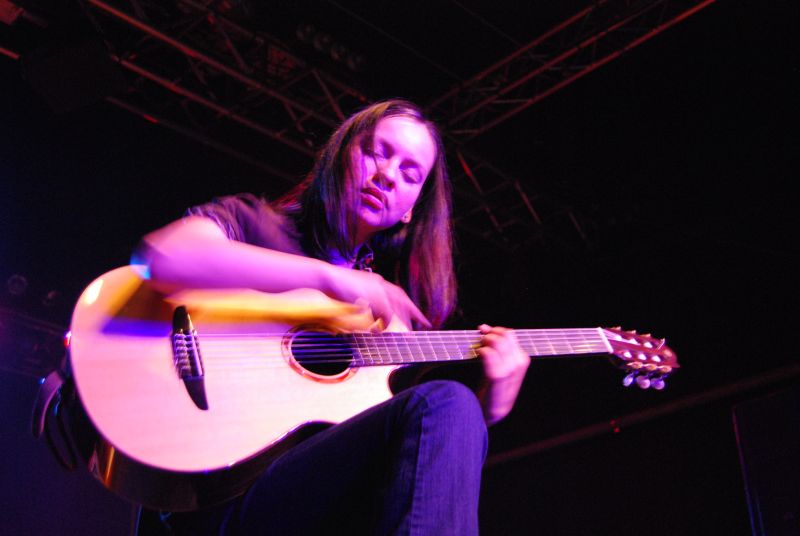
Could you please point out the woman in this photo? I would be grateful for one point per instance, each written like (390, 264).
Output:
(377, 200)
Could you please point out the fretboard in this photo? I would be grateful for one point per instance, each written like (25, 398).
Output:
(433, 346)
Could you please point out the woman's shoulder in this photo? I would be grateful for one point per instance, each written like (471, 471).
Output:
(252, 219)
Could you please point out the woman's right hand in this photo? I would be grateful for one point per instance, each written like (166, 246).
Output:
(385, 299)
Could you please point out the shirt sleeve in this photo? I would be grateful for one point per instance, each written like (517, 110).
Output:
(252, 220)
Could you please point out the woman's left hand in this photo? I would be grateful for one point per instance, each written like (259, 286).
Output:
(504, 366)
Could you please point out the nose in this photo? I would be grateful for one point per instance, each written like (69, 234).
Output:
(386, 172)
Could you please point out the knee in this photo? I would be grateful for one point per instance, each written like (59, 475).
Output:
(453, 395)
(453, 405)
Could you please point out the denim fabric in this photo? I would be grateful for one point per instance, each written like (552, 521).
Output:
(409, 466)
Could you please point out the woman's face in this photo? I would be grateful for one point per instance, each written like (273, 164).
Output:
(388, 173)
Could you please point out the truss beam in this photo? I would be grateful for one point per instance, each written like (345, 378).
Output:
(242, 76)
(572, 49)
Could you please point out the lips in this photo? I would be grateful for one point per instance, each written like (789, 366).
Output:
(373, 198)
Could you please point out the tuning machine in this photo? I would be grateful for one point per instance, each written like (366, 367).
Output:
(645, 380)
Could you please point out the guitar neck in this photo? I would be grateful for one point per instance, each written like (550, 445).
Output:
(437, 346)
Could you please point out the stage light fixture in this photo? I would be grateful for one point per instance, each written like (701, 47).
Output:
(9, 12)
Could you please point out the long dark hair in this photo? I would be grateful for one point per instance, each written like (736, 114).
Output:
(417, 255)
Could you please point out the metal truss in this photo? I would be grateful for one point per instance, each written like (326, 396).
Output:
(572, 49)
(199, 73)
(196, 71)
(264, 85)
(495, 206)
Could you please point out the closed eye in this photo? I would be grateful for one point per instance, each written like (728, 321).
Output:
(372, 150)
(383, 151)
(412, 173)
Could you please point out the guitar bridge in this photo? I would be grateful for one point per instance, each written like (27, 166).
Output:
(186, 357)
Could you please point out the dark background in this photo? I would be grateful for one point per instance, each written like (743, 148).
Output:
(681, 156)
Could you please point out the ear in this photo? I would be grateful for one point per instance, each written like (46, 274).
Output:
(406, 217)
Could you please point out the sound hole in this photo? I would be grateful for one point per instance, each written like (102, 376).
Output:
(322, 353)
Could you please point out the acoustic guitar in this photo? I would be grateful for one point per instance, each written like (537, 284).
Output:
(188, 397)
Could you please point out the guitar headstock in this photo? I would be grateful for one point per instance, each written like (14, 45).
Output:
(647, 360)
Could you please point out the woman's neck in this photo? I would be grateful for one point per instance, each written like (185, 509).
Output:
(335, 257)
(362, 258)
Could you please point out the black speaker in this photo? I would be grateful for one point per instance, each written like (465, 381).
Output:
(768, 437)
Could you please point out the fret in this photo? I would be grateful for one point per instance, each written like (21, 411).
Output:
(464, 345)
(361, 352)
(382, 349)
(395, 352)
(440, 344)
(450, 345)
(426, 350)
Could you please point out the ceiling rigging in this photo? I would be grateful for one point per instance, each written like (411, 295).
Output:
(196, 68)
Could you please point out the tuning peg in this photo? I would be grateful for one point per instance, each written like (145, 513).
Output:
(657, 384)
(643, 382)
(628, 380)
(648, 335)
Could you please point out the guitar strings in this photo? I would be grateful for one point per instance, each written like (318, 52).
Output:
(361, 349)
(336, 351)
(540, 334)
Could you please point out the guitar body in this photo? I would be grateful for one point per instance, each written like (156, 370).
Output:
(153, 444)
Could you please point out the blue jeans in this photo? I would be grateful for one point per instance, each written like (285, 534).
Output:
(409, 466)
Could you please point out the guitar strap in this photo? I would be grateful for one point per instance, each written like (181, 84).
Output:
(49, 388)
(51, 417)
